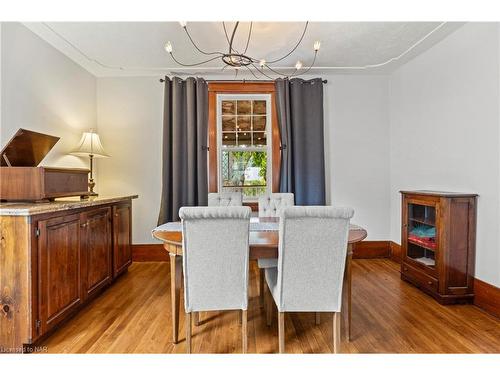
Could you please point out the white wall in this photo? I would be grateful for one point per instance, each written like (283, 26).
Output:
(45, 91)
(444, 115)
(130, 117)
(130, 112)
(357, 149)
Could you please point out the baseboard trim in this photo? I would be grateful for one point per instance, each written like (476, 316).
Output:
(487, 297)
(149, 253)
(395, 252)
(371, 249)
(361, 250)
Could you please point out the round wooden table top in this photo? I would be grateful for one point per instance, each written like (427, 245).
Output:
(257, 238)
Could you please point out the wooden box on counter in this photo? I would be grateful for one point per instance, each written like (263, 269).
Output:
(38, 183)
(438, 239)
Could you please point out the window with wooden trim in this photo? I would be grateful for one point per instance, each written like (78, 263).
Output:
(244, 153)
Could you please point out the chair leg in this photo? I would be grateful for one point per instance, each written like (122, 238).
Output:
(244, 330)
(269, 307)
(318, 318)
(188, 333)
(281, 331)
(336, 332)
(196, 318)
(261, 286)
(241, 317)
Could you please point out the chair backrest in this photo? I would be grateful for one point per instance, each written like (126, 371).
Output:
(215, 257)
(225, 199)
(271, 204)
(312, 256)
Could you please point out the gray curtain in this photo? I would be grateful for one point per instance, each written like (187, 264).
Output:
(185, 123)
(300, 115)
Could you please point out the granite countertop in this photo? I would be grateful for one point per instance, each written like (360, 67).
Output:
(60, 204)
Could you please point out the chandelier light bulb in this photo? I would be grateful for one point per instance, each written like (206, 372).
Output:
(168, 47)
(183, 23)
(298, 65)
(317, 45)
(262, 63)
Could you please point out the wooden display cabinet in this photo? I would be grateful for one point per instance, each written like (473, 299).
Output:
(438, 238)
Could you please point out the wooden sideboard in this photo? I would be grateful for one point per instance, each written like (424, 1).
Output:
(54, 258)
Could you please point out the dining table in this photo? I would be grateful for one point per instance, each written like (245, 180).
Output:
(263, 243)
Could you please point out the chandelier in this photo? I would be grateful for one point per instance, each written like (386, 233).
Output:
(233, 58)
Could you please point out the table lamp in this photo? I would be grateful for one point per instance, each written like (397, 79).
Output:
(90, 145)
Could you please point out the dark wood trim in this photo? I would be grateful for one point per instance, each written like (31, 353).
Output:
(242, 87)
(253, 205)
(266, 87)
(487, 297)
(149, 253)
(371, 249)
(395, 251)
(212, 142)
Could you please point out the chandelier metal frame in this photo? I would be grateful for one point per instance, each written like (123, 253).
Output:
(234, 59)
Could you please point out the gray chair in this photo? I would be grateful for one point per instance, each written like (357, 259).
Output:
(215, 261)
(311, 261)
(225, 199)
(270, 206)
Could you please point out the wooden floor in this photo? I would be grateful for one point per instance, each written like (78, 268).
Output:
(389, 316)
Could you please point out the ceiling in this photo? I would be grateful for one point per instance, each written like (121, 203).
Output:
(137, 48)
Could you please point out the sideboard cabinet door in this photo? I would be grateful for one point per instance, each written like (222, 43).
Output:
(59, 269)
(96, 250)
(122, 237)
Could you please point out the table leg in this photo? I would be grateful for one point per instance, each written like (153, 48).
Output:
(347, 293)
(175, 291)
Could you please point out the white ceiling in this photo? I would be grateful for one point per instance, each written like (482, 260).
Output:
(137, 48)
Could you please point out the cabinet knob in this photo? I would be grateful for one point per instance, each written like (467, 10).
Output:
(429, 282)
(116, 215)
(84, 225)
(405, 268)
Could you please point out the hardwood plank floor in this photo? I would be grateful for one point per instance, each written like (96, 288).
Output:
(389, 316)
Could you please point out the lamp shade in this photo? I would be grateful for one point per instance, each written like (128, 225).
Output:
(90, 144)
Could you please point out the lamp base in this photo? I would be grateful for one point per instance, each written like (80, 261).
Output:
(88, 195)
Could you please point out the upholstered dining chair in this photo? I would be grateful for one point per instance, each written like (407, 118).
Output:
(215, 236)
(311, 261)
(270, 206)
(225, 199)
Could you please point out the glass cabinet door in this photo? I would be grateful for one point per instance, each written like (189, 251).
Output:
(421, 234)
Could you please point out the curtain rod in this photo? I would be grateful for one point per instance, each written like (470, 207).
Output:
(239, 80)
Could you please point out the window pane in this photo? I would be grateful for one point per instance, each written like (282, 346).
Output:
(229, 107)
(228, 139)
(244, 123)
(244, 107)
(228, 123)
(259, 107)
(244, 171)
(259, 139)
(259, 123)
(244, 139)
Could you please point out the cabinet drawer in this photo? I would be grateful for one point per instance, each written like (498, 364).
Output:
(419, 278)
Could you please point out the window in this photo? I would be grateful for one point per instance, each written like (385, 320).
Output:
(249, 159)
(243, 139)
